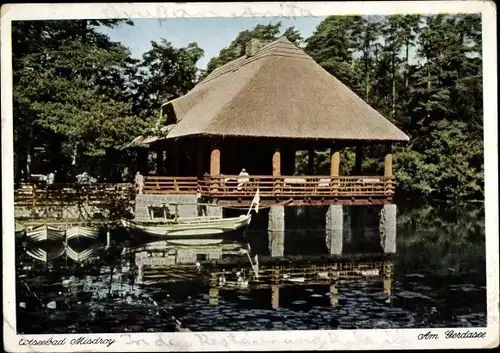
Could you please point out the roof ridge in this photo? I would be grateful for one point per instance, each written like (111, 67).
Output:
(266, 50)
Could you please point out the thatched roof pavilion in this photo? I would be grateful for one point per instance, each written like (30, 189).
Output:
(257, 110)
(278, 92)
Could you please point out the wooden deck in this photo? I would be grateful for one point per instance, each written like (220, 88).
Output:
(288, 190)
(226, 190)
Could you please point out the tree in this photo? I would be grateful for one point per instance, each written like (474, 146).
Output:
(165, 73)
(333, 45)
(368, 46)
(293, 35)
(446, 118)
(69, 93)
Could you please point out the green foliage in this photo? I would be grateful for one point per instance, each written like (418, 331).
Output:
(82, 98)
(165, 73)
(333, 45)
(436, 99)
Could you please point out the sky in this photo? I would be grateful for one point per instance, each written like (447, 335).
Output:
(211, 34)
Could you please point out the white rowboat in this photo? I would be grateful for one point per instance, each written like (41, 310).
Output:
(43, 255)
(188, 227)
(84, 232)
(44, 233)
(80, 256)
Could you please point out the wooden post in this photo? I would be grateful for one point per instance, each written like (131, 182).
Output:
(213, 294)
(215, 166)
(213, 290)
(334, 300)
(215, 160)
(276, 170)
(388, 161)
(334, 162)
(335, 168)
(276, 162)
(310, 162)
(275, 296)
(388, 170)
(387, 275)
(275, 288)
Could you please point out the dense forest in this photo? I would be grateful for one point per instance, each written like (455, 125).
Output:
(80, 98)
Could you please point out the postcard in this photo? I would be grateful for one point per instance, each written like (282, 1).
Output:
(249, 176)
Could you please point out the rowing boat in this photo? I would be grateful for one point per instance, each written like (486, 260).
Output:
(191, 227)
(44, 255)
(80, 256)
(187, 227)
(45, 233)
(84, 232)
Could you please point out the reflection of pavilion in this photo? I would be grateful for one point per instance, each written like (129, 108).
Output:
(179, 259)
(328, 273)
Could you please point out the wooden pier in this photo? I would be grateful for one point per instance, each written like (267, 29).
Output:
(276, 190)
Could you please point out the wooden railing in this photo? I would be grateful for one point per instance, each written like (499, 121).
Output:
(169, 185)
(228, 187)
(235, 187)
(61, 193)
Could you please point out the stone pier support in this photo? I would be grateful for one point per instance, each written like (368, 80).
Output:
(213, 210)
(187, 204)
(276, 230)
(208, 207)
(388, 228)
(334, 229)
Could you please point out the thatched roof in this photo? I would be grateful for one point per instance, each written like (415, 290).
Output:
(153, 136)
(278, 92)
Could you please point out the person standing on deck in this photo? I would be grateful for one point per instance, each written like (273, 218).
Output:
(243, 178)
(203, 199)
(202, 206)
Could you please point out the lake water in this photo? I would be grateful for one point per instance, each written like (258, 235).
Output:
(438, 280)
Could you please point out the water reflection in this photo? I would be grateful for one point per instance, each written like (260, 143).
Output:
(319, 273)
(77, 248)
(106, 283)
(38, 252)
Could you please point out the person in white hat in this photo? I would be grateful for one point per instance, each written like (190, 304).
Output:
(243, 178)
